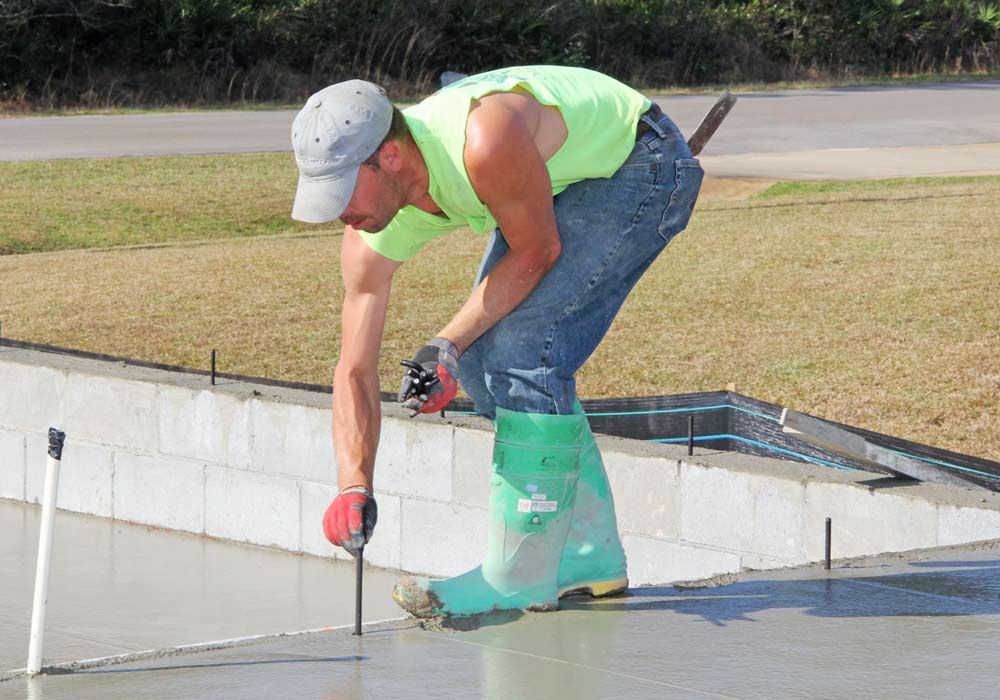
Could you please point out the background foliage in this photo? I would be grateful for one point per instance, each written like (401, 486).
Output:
(56, 53)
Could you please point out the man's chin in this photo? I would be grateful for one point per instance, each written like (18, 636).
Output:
(374, 227)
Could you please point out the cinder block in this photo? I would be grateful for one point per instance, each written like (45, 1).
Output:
(30, 396)
(293, 440)
(163, 491)
(655, 562)
(315, 498)
(382, 550)
(111, 411)
(865, 521)
(12, 465)
(415, 459)
(745, 512)
(472, 467)
(249, 507)
(960, 525)
(204, 425)
(646, 492)
(86, 475)
(441, 539)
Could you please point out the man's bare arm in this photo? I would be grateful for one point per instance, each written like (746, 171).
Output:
(356, 407)
(508, 173)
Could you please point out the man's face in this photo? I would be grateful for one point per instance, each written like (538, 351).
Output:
(376, 200)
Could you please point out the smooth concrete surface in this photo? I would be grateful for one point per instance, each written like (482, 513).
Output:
(117, 588)
(815, 124)
(209, 460)
(924, 626)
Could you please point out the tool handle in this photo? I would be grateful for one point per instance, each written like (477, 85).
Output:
(711, 122)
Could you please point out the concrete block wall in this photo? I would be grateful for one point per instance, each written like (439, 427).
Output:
(237, 461)
(255, 464)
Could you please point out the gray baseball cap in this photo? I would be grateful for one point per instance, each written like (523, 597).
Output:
(340, 126)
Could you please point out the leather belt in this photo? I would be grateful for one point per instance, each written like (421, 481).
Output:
(642, 128)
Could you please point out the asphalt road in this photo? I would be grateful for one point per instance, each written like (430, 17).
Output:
(786, 133)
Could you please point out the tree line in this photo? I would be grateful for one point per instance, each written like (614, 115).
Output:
(56, 53)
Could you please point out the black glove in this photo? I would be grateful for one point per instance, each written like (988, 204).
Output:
(431, 378)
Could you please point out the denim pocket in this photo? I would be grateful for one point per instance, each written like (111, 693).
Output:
(687, 183)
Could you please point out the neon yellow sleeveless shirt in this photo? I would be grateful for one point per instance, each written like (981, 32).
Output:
(600, 114)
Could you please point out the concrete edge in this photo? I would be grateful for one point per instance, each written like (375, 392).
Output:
(907, 556)
(197, 648)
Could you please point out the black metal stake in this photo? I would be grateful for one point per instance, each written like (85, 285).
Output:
(690, 435)
(828, 531)
(213, 368)
(360, 559)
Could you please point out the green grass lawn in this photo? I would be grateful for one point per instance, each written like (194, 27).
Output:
(73, 204)
(870, 303)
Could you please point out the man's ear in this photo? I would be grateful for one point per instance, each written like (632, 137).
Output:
(390, 156)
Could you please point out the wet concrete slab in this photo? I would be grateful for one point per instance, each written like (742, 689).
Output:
(117, 587)
(923, 626)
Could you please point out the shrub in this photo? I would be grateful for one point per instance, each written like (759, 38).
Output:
(116, 52)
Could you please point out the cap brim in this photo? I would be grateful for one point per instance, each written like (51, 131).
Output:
(318, 201)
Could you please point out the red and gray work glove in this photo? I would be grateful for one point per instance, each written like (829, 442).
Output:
(431, 379)
(350, 519)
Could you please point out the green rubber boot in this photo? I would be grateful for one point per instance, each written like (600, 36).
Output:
(593, 560)
(535, 467)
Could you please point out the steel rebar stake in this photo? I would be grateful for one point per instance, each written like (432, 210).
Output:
(690, 435)
(360, 562)
(828, 533)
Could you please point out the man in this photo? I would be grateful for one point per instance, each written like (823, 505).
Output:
(582, 182)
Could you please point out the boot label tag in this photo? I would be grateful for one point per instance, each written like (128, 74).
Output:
(526, 505)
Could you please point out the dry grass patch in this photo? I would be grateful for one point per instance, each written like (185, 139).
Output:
(869, 303)
(731, 189)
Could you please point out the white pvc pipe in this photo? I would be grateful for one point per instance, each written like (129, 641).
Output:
(56, 439)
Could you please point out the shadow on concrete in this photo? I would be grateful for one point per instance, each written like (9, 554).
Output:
(967, 588)
(957, 564)
(471, 622)
(889, 482)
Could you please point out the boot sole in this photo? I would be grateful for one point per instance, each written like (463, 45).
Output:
(597, 589)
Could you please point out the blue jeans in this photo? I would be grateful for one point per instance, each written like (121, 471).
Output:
(610, 231)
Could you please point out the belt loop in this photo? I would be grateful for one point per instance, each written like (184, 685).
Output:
(651, 117)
